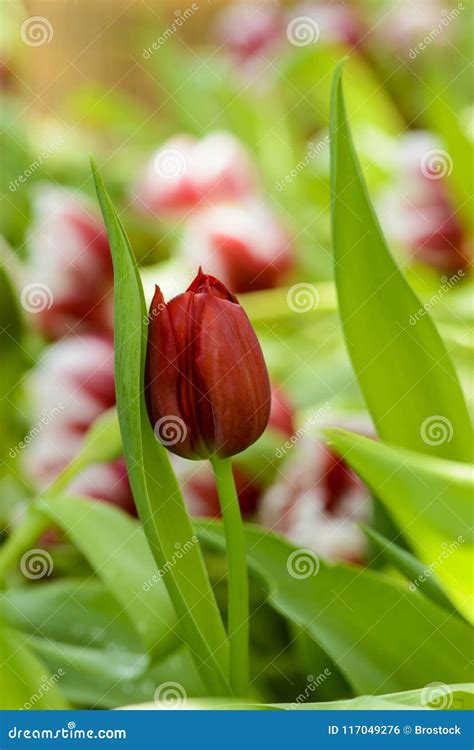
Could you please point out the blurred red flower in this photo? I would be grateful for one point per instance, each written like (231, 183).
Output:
(243, 244)
(185, 172)
(71, 386)
(69, 265)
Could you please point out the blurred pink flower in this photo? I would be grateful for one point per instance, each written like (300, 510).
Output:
(242, 244)
(248, 30)
(71, 386)
(417, 212)
(408, 23)
(329, 22)
(185, 172)
(69, 265)
(318, 503)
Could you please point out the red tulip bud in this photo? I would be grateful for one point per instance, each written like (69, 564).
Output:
(207, 385)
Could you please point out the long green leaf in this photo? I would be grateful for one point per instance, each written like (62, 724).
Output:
(114, 546)
(404, 370)
(24, 681)
(155, 489)
(381, 635)
(409, 566)
(436, 697)
(430, 499)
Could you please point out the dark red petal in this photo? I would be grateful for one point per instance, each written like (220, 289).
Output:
(206, 284)
(162, 374)
(233, 374)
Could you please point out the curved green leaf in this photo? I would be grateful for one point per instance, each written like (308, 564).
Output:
(404, 370)
(114, 545)
(430, 499)
(381, 635)
(452, 697)
(155, 489)
(409, 566)
(24, 681)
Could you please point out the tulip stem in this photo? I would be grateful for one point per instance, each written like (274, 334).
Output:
(237, 578)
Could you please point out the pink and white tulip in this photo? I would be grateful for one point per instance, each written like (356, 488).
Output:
(71, 386)
(249, 30)
(417, 212)
(243, 244)
(318, 503)
(69, 276)
(185, 173)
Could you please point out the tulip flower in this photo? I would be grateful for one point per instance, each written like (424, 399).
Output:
(244, 245)
(69, 276)
(208, 396)
(72, 385)
(326, 23)
(249, 30)
(184, 173)
(417, 211)
(317, 503)
(207, 385)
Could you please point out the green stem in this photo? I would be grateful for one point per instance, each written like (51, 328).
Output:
(22, 539)
(238, 590)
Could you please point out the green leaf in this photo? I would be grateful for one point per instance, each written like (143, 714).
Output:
(410, 567)
(86, 689)
(404, 370)
(113, 544)
(89, 614)
(24, 681)
(93, 642)
(381, 635)
(441, 697)
(430, 499)
(155, 489)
